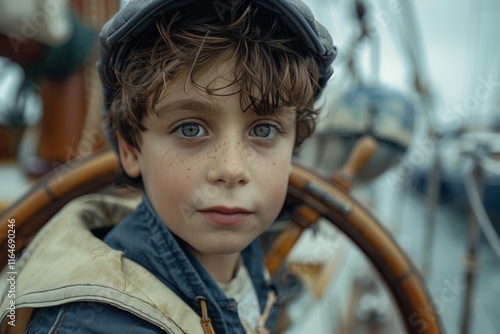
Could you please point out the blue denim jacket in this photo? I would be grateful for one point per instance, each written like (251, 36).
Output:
(145, 239)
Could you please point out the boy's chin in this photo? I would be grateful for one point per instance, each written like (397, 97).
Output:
(223, 247)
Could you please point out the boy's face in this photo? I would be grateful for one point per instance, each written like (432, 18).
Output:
(216, 176)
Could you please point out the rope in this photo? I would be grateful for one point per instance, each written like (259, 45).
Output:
(271, 299)
(480, 213)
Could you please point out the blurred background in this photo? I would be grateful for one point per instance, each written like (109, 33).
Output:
(421, 77)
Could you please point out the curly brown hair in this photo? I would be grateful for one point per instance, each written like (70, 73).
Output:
(273, 69)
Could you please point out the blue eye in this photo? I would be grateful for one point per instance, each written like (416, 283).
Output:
(190, 130)
(263, 131)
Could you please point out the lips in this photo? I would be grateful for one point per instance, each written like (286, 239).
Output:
(226, 216)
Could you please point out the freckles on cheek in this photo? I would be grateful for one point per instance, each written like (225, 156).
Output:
(167, 170)
(177, 178)
(177, 172)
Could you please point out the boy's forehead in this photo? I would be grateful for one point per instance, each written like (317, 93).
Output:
(204, 88)
(217, 76)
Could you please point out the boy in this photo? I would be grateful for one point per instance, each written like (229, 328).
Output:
(205, 102)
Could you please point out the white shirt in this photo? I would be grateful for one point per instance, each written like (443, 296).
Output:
(242, 290)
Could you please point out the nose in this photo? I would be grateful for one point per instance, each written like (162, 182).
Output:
(230, 166)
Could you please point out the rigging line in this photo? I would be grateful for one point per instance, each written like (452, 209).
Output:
(409, 39)
(350, 56)
(493, 56)
(483, 34)
(411, 45)
(406, 39)
(497, 21)
(374, 44)
(479, 212)
(375, 57)
(490, 38)
(362, 38)
(414, 42)
(475, 34)
(398, 33)
(417, 55)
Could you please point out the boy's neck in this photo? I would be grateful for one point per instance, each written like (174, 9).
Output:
(222, 268)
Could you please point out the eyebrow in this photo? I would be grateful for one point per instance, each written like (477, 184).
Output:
(197, 105)
(189, 105)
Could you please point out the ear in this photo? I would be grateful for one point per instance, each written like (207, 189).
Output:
(129, 157)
